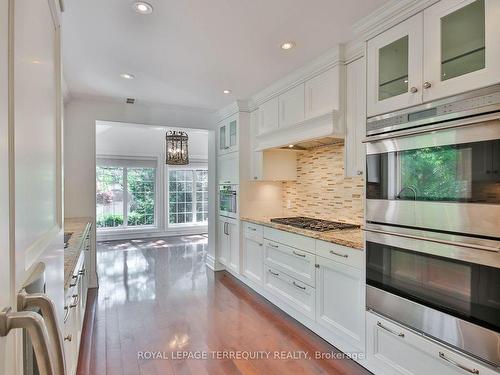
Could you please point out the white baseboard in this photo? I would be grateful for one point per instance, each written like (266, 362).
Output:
(213, 264)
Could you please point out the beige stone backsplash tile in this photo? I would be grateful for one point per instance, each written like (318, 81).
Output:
(321, 190)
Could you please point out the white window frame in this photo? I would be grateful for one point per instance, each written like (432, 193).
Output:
(193, 165)
(127, 162)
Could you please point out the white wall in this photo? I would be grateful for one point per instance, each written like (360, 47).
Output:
(80, 119)
(116, 138)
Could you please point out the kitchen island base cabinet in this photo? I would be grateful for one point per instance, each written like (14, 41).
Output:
(394, 350)
(340, 300)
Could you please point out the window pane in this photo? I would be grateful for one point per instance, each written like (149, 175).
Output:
(109, 197)
(201, 195)
(141, 196)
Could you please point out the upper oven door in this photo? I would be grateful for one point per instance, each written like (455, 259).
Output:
(445, 180)
(228, 200)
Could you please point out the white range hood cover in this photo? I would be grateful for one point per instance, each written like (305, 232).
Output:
(328, 125)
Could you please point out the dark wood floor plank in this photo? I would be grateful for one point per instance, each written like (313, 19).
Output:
(156, 295)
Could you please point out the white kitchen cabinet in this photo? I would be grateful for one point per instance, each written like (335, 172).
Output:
(253, 259)
(291, 106)
(228, 168)
(294, 262)
(229, 243)
(223, 253)
(461, 47)
(274, 165)
(355, 117)
(227, 139)
(268, 116)
(322, 93)
(296, 294)
(395, 67)
(449, 48)
(340, 302)
(394, 350)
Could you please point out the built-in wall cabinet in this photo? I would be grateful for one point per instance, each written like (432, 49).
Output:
(355, 118)
(311, 99)
(449, 48)
(227, 136)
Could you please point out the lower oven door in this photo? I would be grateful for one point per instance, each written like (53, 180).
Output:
(449, 292)
(446, 180)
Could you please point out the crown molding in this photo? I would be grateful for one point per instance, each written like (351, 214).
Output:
(329, 59)
(388, 16)
(232, 109)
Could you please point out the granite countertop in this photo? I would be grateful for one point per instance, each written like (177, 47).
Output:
(346, 237)
(75, 245)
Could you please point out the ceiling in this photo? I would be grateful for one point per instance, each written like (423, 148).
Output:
(187, 52)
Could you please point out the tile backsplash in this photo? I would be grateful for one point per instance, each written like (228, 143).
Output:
(321, 190)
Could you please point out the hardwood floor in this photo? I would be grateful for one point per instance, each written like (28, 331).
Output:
(157, 298)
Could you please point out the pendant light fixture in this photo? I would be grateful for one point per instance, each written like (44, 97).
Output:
(177, 148)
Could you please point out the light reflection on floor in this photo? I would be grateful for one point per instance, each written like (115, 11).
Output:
(144, 270)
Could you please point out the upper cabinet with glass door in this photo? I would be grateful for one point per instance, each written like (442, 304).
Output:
(227, 137)
(461, 47)
(459, 52)
(394, 69)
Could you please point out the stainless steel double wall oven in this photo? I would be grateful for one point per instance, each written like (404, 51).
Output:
(433, 220)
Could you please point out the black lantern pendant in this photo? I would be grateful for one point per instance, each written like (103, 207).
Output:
(177, 148)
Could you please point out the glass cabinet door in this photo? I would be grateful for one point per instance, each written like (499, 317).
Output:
(232, 133)
(394, 67)
(222, 138)
(463, 41)
(461, 47)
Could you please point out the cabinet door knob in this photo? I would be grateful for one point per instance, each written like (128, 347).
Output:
(359, 173)
(413, 90)
(427, 85)
(68, 338)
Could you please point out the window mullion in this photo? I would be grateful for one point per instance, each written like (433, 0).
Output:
(125, 197)
(194, 200)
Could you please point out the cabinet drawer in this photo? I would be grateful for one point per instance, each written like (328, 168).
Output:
(253, 231)
(393, 349)
(298, 295)
(291, 239)
(294, 262)
(341, 254)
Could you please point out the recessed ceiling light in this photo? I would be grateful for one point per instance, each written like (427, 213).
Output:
(288, 45)
(143, 8)
(291, 146)
(227, 91)
(127, 76)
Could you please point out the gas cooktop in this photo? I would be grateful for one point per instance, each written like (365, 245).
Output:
(309, 223)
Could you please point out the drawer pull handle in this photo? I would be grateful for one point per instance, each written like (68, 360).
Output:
(68, 338)
(299, 286)
(66, 313)
(76, 299)
(454, 363)
(401, 334)
(272, 245)
(338, 254)
(261, 244)
(299, 254)
(254, 229)
(81, 272)
(273, 273)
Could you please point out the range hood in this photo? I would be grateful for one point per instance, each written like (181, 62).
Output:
(321, 130)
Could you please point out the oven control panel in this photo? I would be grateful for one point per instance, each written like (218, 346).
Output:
(469, 104)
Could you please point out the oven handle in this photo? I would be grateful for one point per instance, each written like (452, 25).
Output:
(399, 334)
(428, 128)
(453, 243)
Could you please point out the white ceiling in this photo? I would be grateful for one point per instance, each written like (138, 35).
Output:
(187, 51)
